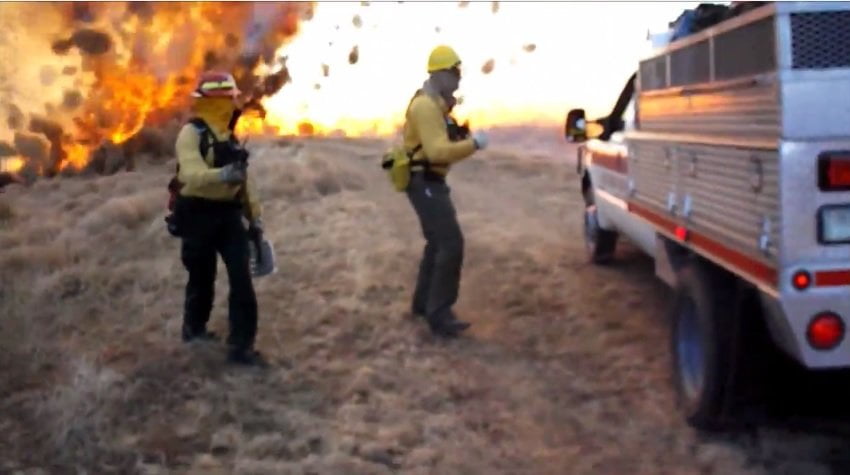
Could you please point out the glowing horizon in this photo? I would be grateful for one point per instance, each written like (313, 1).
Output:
(524, 87)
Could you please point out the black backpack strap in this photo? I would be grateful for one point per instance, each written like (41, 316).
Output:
(424, 162)
(206, 135)
(174, 184)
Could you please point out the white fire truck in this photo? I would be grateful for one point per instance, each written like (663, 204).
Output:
(727, 159)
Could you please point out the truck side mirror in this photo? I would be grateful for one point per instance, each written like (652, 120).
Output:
(575, 128)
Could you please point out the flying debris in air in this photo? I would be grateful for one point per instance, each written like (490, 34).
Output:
(72, 100)
(357, 21)
(495, 7)
(354, 55)
(90, 42)
(326, 70)
(488, 66)
(530, 47)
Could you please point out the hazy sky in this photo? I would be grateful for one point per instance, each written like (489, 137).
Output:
(585, 51)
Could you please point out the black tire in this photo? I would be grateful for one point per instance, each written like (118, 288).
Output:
(600, 243)
(703, 342)
(586, 189)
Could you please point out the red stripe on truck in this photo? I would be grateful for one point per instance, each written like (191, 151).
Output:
(613, 162)
(653, 217)
(752, 267)
(757, 269)
(832, 278)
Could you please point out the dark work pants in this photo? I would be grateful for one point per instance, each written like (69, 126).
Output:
(438, 280)
(207, 230)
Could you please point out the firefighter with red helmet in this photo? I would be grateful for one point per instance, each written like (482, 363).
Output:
(214, 194)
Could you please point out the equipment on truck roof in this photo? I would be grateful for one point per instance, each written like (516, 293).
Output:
(705, 15)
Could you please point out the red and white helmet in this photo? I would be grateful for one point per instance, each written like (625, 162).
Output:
(216, 84)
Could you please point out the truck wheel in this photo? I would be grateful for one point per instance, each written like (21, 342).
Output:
(702, 318)
(600, 243)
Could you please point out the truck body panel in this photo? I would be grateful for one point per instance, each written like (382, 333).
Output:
(721, 158)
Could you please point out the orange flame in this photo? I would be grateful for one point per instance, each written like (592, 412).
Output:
(134, 64)
(76, 157)
(12, 164)
(252, 124)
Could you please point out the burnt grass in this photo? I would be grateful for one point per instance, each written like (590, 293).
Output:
(565, 369)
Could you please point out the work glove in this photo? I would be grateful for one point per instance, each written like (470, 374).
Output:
(480, 139)
(255, 228)
(232, 173)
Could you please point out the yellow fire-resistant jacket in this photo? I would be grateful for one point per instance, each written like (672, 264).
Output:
(201, 180)
(426, 125)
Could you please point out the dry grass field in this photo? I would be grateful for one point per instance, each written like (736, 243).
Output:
(564, 371)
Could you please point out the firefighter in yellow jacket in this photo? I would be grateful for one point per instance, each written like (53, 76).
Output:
(214, 195)
(433, 150)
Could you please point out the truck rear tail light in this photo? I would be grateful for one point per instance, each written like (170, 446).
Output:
(801, 280)
(834, 224)
(825, 331)
(834, 171)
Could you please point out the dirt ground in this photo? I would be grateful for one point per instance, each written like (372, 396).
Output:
(564, 371)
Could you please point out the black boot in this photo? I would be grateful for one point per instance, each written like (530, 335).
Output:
(246, 357)
(417, 313)
(189, 335)
(447, 326)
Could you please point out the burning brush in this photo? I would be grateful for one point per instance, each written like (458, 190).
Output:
(116, 69)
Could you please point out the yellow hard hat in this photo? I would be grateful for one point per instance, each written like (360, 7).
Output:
(442, 57)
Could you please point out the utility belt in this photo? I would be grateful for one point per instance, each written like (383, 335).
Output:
(428, 175)
(194, 204)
